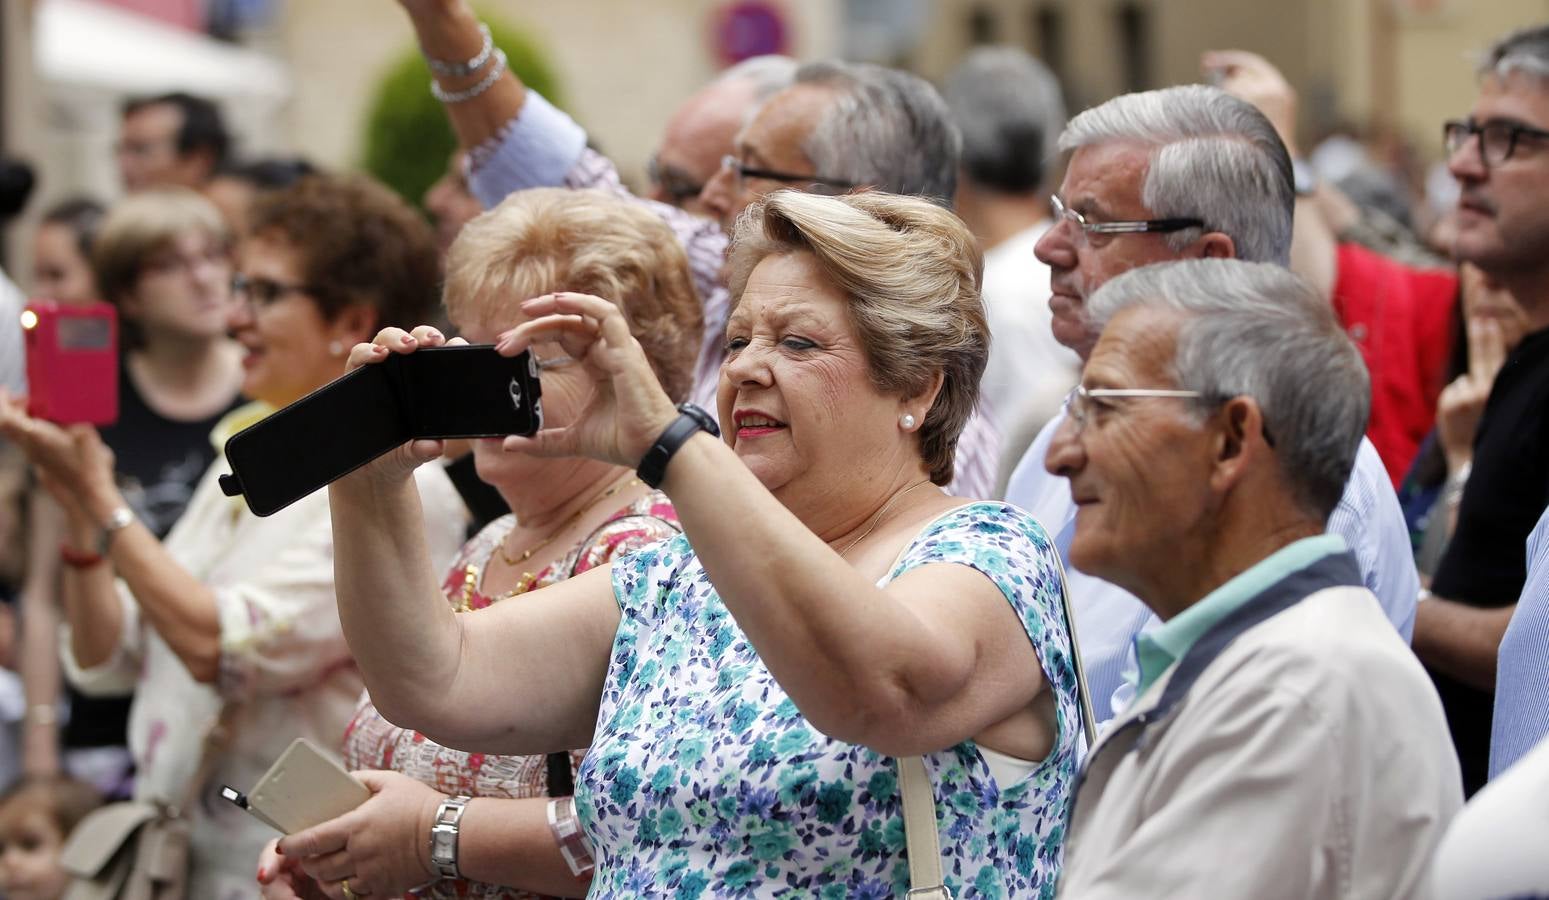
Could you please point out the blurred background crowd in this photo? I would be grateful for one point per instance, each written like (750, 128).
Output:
(143, 141)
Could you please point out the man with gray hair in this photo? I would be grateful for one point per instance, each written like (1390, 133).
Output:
(837, 127)
(1008, 107)
(1180, 173)
(1284, 742)
(842, 126)
(700, 131)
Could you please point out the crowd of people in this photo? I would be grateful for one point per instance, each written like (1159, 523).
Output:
(935, 497)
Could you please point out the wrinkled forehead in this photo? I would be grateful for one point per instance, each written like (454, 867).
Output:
(1107, 178)
(780, 128)
(1137, 348)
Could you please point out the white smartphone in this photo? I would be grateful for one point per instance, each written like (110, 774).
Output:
(304, 787)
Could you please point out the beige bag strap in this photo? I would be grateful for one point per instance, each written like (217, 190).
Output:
(920, 837)
(1083, 696)
(919, 797)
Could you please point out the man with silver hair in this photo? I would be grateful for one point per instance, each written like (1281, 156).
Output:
(701, 130)
(839, 127)
(824, 126)
(1008, 107)
(1180, 173)
(1284, 742)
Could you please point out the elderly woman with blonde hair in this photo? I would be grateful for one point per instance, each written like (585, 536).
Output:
(748, 686)
(569, 515)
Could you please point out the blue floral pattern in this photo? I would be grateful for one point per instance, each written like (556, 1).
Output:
(704, 780)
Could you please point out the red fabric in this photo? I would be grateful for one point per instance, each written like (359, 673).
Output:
(1401, 319)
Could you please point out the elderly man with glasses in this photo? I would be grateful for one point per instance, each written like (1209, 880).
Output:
(1285, 742)
(1185, 172)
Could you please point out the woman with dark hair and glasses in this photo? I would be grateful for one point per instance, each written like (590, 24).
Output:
(231, 619)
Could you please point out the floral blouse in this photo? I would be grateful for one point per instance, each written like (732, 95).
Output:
(704, 780)
(372, 742)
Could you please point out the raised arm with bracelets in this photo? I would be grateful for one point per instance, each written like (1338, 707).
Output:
(449, 32)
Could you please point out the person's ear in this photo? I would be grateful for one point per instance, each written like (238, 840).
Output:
(1216, 245)
(354, 324)
(917, 406)
(1240, 440)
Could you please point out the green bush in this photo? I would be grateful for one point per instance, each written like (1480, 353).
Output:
(408, 138)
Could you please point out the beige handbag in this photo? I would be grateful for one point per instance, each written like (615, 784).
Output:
(138, 850)
(919, 799)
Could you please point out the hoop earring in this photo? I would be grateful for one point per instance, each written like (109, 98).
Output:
(906, 421)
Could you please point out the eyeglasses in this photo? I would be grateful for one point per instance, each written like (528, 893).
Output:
(1079, 403)
(678, 185)
(816, 184)
(263, 293)
(1497, 137)
(168, 263)
(1061, 211)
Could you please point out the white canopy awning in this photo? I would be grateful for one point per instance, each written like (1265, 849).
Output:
(78, 43)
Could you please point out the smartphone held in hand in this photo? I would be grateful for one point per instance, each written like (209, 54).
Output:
(432, 393)
(72, 362)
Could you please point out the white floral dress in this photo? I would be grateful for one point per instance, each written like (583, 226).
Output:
(704, 780)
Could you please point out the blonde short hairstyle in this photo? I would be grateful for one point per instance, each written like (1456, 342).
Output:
(143, 224)
(550, 239)
(911, 271)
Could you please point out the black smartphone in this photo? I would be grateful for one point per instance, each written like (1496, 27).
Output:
(437, 392)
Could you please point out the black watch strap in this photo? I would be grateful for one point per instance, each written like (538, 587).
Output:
(653, 466)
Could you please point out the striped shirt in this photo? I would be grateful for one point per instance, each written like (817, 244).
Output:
(1109, 618)
(1522, 670)
(543, 147)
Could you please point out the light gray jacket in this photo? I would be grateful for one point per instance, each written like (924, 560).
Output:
(1298, 750)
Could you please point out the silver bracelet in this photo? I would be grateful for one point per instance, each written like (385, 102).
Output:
(485, 83)
(464, 69)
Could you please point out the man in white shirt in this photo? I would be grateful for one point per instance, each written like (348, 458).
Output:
(1008, 107)
(1180, 173)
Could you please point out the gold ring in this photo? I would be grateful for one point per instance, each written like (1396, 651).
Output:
(348, 894)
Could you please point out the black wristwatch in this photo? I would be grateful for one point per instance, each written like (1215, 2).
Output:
(653, 466)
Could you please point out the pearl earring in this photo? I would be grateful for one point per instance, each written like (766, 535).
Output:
(907, 421)
(336, 348)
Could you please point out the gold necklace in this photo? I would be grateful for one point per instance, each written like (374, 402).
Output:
(877, 519)
(575, 517)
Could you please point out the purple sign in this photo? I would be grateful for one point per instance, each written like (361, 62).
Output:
(749, 28)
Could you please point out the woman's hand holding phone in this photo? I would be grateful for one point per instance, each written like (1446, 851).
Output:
(400, 464)
(72, 463)
(628, 409)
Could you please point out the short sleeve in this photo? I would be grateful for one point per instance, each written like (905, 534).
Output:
(645, 580)
(1009, 547)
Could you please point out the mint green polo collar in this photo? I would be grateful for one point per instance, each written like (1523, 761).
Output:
(1159, 650)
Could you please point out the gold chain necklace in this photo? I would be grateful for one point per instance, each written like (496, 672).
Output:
(575, 517)
(877, 519)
